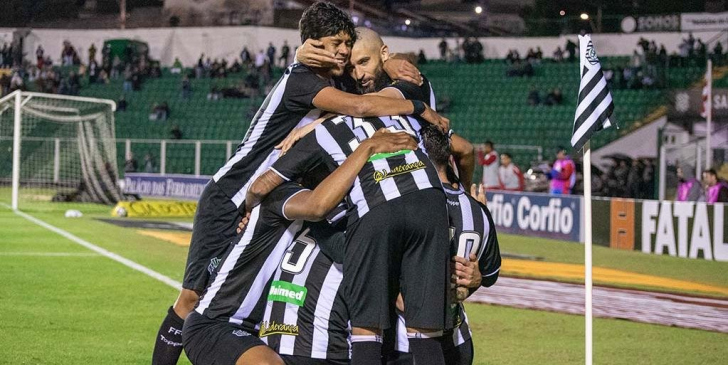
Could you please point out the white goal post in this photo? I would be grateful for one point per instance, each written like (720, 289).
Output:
(62, 148)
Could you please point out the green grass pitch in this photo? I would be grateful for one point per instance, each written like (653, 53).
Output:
(87, 309)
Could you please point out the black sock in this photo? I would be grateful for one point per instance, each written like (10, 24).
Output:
(426, 351)
(168, 346)
(366, 352)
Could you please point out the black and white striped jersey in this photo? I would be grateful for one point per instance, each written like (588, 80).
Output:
(383, 178)
(238, 292)
(473, 231)
(287, 106)
(410, 91)
(305, 314)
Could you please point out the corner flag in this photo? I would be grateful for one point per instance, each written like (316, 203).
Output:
(595, 105)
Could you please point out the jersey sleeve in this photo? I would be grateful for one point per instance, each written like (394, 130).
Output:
(305, 155)
(302, 87)
(272, 207)
(489, 261)
(410, 91)
(330, 238)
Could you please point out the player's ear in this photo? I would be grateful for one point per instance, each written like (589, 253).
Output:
(384, 51)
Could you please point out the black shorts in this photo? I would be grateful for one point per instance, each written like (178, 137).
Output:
(399, 246)
(214, 228)
(302, 360)
(459, 355)
(214, 342)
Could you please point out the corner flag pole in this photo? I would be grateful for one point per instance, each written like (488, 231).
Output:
(593, 112)
(588, 250)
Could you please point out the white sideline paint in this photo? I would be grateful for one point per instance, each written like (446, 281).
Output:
(122, 260)
(51, 254)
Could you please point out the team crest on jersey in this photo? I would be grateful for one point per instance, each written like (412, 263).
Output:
(383, 174)
(240, 333)
(273, 328)
(213, 265)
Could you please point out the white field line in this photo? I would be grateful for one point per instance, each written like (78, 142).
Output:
(122, 260)
(51, 254)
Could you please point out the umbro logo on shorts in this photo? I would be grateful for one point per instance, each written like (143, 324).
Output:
(240, 333)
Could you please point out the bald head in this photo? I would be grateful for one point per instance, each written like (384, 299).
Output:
(367, 38)
(367, 58)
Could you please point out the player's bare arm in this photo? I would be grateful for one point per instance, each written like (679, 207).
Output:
(337, 101)
(333, 189)
(464, 154)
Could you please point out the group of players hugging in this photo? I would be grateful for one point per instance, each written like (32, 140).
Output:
(341, 230)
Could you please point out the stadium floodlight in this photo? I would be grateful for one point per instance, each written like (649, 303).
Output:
(584, 16)
(407, 22)
(478, 9)
(562, 12)
(62, 148)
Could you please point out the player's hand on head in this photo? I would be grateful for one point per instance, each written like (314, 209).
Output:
(466, 271)
(403, 70)
(312, 53)
(385, 141)
(438, 120)
(478, 193)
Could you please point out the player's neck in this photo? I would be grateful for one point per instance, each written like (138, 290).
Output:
(442, 173)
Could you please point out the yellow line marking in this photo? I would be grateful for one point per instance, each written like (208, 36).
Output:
(178, 238)
(540, 269)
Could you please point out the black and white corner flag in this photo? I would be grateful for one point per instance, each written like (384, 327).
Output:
(595, 104)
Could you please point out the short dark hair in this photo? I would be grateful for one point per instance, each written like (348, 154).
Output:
(323, 19)
(437, 144)
(711, 171)
(507, 155)
(489, 143)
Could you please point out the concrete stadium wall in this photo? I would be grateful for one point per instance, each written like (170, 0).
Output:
(227, 42)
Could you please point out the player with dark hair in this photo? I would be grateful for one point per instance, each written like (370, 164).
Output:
(222, 328)
(388, 249)
(296, 101)
(474, 249)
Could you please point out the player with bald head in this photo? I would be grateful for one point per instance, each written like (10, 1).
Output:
(367, 67)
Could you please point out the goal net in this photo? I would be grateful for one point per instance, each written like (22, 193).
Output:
(63, 150)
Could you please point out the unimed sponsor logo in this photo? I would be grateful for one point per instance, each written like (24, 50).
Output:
(282, 291)
(684, 229)
(552, 216)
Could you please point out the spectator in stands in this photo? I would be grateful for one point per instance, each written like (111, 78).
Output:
(488, 158)
(534, 97)
(539, 53)
(4, 84)
(716, 190)
(563, 173)
(571, 49)
(443, 49)
(149, 163)
(130, 165)
(271, 53)
(128, 79)
(74, 83)
(121, 104)
(39, 56)
(68, 54)
(648, 180)
(634, 180)
(689, 189)
(160, 112)
(93, 72)
(16, 82)
(558, 55)
(176, 67)
(554, 97)
(285, 54)
(621, 172)
(103, 77)
(259, 60)
(421, 59)
(200, 67)
(214, 94)
(718, 53)
(510, 175)
(186, 87)
(92, 53)
(136, 80)
(245, 57)
(176, 132)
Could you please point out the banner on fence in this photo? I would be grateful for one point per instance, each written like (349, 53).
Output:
(161, 208)
(165, 186)
(537, 215)
(703, 21)
(680, 229)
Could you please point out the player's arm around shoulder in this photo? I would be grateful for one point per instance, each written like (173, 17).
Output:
(314, 205)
